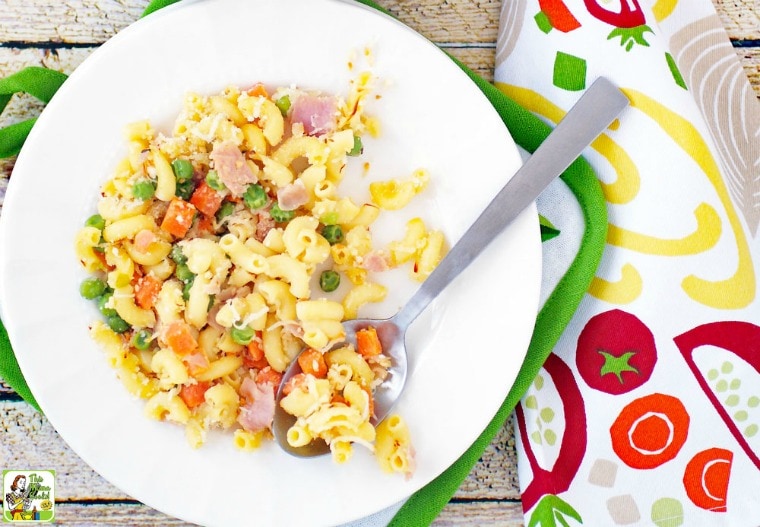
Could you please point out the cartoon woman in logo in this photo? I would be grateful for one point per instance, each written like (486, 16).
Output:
(18, 499)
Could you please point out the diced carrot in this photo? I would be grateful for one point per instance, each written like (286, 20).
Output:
(255, 357)
(206, 199)
(296, 381)
(136, 275)
(338, 399)
(254, 347)
(102, 257)
(268, 375)
(205, 224)
(248, 362)
(193, 394)
(368, 343)
(180, 338)
(179, 217)
(146, 291)
(257, 89)
(313, 362)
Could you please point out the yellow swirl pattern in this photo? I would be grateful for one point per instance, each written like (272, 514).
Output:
(738, 290)
(704, 237)
(662, 9)
(626, 187)
(624, 291)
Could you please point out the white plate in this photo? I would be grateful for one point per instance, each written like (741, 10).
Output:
(466, 349)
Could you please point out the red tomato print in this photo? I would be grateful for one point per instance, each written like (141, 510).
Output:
(616, 352)
(630, 22)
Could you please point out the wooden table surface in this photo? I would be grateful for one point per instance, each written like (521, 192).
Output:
(60, 35)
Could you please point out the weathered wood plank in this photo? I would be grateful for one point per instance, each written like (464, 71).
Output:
(94, 21)
(750, 59)
(478, 59)
(483, 514)
(28, 440)
(118, 514)
(489, 496)
(24, 106)
(6, 391)
(495, 474)
(741, 18)
(13, 59)
(493, 478)
(453, 21)
(78, 21)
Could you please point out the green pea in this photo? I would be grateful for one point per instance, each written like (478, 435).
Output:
(183, 169)
(225, 210)
(332, 233)
(92, 287)
(186, 289)
(283, 103)
(97, 221)
(213, 181)
(142, 339)
(255, 196)
(177, 255)
(242, 335)
(118, 324)
(281, 215)
(185, 189)
(102, 301)
(358, 147)
(184, 273)
(144, 189)
(329, 281)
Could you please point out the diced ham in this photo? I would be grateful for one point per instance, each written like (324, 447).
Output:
(318, 114)
(231, 292)
(258, 412)
(375, 261)
(196, 362)
(143, 239)
(232, 168)
(292, 196)
(412, 459)
(293, 327)
(211, 319)
(264, 224)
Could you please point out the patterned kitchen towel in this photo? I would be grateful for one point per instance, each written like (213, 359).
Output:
(648, 410)
(560, 297)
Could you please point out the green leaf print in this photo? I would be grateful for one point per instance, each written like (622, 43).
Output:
(551, 511)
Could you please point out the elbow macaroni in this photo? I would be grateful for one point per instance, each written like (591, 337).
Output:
(193, 321)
